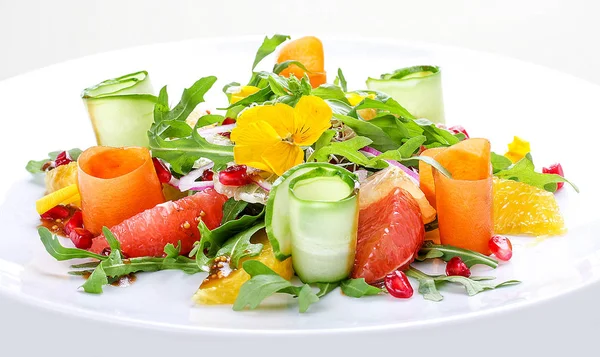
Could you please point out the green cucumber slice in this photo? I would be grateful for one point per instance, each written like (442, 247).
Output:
(418, 89)
(312, 215)
(121, 109)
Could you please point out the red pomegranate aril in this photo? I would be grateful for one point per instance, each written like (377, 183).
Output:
(164, 175)
(208, 175)
(82, 238)
(501, 247)
(228, 121)
(236, 175)
(456, 267)
(557, 170)
(459, 129)
(76, 221)
(62, 159)
(58, 212)
(398, 286)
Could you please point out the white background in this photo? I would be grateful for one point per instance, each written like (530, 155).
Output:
(555, 33)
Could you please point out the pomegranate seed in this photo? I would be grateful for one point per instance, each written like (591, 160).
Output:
(58, 212)
(228, 121)
(398, 286)
(234, 176)
(456, 266)
(555, 169)
(208, 175)
(459, 129)
(75, 222)
(164, 175)
(82, 238)
(501, 247)
(62, 159)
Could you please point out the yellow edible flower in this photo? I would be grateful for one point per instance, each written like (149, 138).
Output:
(270, 137)
(517, 149)
(355, 98)
(242, 93)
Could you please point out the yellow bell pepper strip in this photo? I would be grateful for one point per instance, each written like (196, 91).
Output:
(64, 196)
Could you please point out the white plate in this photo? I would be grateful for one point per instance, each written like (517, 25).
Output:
(492, 97)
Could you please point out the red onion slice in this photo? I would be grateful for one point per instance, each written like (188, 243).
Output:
(188, 182)
(205, 132)
(369, 151)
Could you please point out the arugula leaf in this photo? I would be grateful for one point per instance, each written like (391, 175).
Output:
(239, 246)
(389, 105)
(348, 149)
(381, 140)
(264, 283)
(279, 67)
(326, 288)
(232, 209)
(35, 166)
(324, 139)
(268, 46)
(60, 253)
(524, 171)
(259, 97)
(339, 107)
(170, 138)
(430, 250)
(212, 241)
(358, 288)
(500, 162)
(330, 91)
(397, 156)
(306, 297)
(428, 284)
(341, 80)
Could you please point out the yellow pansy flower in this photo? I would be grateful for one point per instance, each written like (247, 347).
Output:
(270, 137)
(517, 149)
(242, 93)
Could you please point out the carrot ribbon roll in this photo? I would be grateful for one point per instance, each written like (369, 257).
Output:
(115, 184)
(465, 202)
(308, 51)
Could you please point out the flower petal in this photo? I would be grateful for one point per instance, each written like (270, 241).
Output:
(279, 116)
(282, 157)
(251, 141)
(312, 116)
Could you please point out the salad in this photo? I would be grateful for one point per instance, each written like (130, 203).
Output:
(294, 184)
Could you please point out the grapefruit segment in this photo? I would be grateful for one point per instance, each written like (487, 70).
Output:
(147, 233)
(465, 202)
(390, 234)
(308, 51)
(115, 184)
(386, 180)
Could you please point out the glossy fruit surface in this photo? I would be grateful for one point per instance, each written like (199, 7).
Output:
(147, 233)
(164, 175)
(224, 290)
(58, 212)
(398, 286)
(501, 247)
(61, 177)
(523, 209)
(82, 238)
(76, 221)
(62, 159)
(456, 266)
(380, 184)
(390, 234)
(236, 175)
(557, 170)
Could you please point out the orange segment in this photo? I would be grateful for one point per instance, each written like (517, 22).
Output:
(426, 182)
(116, 184)
(465, 202)
(224, 290)
(308, 51)
(523, 209)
